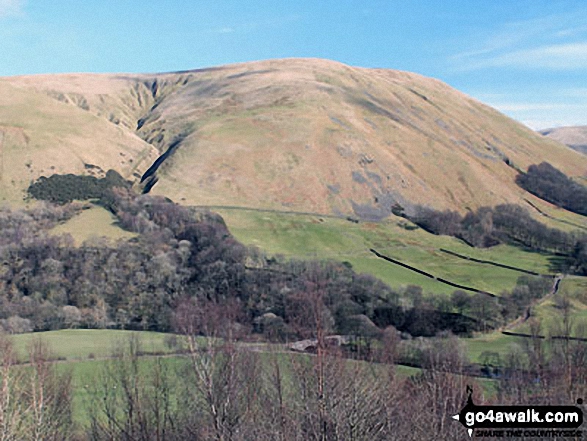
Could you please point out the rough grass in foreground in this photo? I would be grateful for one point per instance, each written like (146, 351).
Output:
(77, 345)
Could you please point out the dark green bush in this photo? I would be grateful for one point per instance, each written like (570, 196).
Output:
(61, 189)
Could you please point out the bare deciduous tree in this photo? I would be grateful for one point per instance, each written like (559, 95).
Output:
(132, 400)
(220, 394)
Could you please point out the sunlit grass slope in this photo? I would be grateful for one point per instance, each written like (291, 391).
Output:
(91, 223)
(307, 237)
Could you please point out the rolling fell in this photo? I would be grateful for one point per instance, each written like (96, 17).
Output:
(304, 135)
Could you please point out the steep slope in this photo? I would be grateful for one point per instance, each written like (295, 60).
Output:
(294, 134)
(573, 136)
(46, 131)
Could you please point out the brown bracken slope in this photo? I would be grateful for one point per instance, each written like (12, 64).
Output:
(294, 134)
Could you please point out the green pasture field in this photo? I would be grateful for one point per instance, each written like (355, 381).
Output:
(315, 237)
(306, 236)
(494, 342)
(75, 346)
(95, 221)
(81, 344)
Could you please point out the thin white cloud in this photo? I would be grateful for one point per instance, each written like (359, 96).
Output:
(567, 107)
(536, 56)
(518, 33)
(225, 30)
(556, 57)
(11, 8)
(540, 116)
(563, 33)
(252, 26)
(530, 107)
(555, 42)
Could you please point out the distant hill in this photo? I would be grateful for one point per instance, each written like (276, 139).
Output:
(573, 136)
(295, 134)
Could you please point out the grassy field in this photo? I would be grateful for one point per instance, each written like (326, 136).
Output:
(84, 352)
(81, 344)
(93, 222)
(86, 374)
(494, 342)
(317, 237)
(75, 346)
(86, 378)
(308, 237)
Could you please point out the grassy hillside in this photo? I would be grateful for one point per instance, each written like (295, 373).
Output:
(41, 135)
(321, 136)
(299, 135)
(306, 236)
(295, 134)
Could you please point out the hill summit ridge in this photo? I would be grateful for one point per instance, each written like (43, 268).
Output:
(293, 134)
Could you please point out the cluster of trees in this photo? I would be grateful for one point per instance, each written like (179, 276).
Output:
(224, 390)
(180, 253)
(489, 226)
(48, 283)
(461, 313)
(516, 302)
(61, 189)
(579, 256)
(552, 185)
(507, 223)
(228, 393)
(23, 224)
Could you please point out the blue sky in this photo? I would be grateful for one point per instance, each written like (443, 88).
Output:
(527, 58)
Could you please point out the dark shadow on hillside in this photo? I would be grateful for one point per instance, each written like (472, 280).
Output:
(558, 264)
